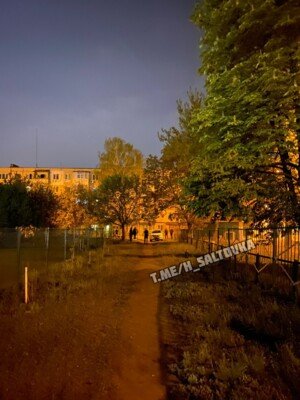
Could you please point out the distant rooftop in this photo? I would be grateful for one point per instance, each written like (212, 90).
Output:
(45, 167)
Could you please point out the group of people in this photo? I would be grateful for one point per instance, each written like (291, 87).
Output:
(132, 233)
(167, 233)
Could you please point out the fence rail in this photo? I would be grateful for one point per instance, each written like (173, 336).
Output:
(41, 248)
(276, 250)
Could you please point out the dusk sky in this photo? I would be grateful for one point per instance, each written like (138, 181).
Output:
(80, 71)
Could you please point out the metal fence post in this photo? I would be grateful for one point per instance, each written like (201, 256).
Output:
(257, 264)
(88, 239)
(65, 244)
(275, 234)
(295, 274)
(74, 241)
(228, 236)
(246, 238)
(19, 237)
(47, 233)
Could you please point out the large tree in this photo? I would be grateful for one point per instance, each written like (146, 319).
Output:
(179, 147)
(72, 210)
(119, 157)
(118, 200)
(158, 188)
(249, 154)
(24, 205)
(178, 153)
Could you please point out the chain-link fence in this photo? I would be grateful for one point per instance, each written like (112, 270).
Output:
(276, 253)
(41, 248)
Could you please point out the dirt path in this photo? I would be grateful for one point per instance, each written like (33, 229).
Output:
(137, 372)
(91, 332)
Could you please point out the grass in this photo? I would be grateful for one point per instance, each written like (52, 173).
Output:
(59, 345)
(231, 340)
(11, 266)
(222, 339)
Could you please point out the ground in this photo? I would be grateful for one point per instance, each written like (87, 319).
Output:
(89, 332)
(106, 331)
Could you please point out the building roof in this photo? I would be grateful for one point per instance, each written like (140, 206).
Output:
(45, 167)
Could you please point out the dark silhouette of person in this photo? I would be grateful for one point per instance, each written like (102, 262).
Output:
(166, 233)
(134, 232)
(130, 234)
(171, 233)
(146, 235)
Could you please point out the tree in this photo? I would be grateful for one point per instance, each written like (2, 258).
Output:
(72, 209)
(118, 200)
(15, 207)
(119, 158)
(179, 147)
(43, 204)
(157, 188)
(24, 205)
(248, 130)
(179, 151)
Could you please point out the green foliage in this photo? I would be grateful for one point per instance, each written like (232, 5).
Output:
(118, 200)
(21, 205)
(179, 147)
(248, 130)
(158, 188)
(14, 205)
(119, 158)
(43, 204)
(178, 153)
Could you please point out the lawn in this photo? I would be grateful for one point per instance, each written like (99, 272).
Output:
(58, 346)
(228, 339)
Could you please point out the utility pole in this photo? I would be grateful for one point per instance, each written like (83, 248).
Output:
(36, 148)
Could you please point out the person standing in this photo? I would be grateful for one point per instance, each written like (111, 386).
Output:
(171, 233)
(146, 235)
(130, 233)
(166, 233)
(134, 232)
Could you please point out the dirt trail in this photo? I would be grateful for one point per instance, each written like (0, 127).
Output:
(137, 373)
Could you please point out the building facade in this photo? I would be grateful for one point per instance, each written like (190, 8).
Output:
(56, 178)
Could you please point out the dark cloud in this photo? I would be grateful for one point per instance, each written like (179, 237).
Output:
(81, 71)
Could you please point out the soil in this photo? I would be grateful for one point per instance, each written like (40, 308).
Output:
(94, 337)
(136, 361)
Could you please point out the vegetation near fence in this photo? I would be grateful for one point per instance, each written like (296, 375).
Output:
(229, 338)
(275, 259)
(40, 249)
(58, 346)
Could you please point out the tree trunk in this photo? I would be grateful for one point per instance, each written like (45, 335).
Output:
(123, 232)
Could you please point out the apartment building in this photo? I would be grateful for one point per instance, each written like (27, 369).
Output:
(56, 178)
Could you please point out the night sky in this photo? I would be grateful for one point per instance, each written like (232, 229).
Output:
(78, 71)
